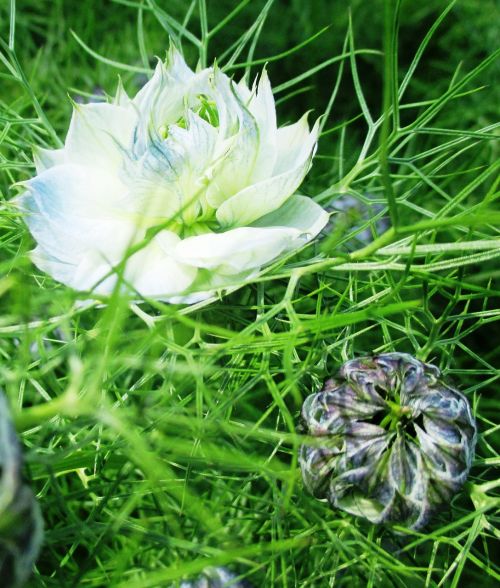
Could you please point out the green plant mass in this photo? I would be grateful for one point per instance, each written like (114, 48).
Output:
(162, 436)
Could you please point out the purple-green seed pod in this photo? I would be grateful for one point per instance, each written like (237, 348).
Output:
(21, 526)
(399, 441)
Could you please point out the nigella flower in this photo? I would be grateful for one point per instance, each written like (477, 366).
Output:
(396, 441)
(185, 189)
(21, 525)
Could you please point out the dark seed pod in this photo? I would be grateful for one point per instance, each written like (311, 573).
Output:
(21, 525)
(216, 578)
(398, 441)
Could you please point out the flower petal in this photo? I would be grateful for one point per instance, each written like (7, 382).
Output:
(261, 198)
(298, 212)
(169, 181)
(294, 145)
(98, 133)
(237, 250)
(121, 97)
(164, 99)
(47, 158)
(260, 103)
(90, 272)
(154, 272)
(94, 273)
(61, 271)
(240, 130)
(151, 272)
(167, 82)
(78, 191)
(71, 209)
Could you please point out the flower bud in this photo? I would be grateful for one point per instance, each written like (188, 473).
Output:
(398, 441)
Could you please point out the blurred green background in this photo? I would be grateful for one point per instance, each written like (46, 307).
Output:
(56, 64)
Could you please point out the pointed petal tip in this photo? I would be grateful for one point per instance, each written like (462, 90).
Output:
(121, 98)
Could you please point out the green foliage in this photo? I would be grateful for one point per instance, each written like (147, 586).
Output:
(162, 439)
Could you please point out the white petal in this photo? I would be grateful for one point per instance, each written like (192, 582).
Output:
(73, 209)
(151, 272)
(209, 282)
(61, 271)
(244, 91)
(121, 97)
(164, 99)
(90, 273)
(94, 274)
(159, 103)
(261, 105)
(232, 112)
(260, 199)
(169, 181)
(154, 273)
(295, 144)
(188, 298)
(237, 250)
(175, 73)
(298, 212)
(98, 134)
(239, 127)
(77, 190)
(47, 158)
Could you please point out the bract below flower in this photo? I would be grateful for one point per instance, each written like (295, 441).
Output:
(187, 188)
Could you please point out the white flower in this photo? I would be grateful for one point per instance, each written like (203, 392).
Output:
(184, 189)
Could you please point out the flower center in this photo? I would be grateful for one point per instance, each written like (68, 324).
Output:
(206, 109)
(194, 215)
(396, 415)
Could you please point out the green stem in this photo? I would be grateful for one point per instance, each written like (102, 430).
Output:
(68, 404)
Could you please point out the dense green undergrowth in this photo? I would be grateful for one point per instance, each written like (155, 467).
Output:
(161, 439)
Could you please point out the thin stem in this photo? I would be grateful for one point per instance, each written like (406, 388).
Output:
(204, 33)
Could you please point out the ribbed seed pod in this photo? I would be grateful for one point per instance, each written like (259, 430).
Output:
(398, 441)
(21, 526)
(216, 578)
